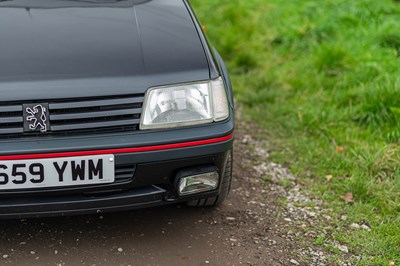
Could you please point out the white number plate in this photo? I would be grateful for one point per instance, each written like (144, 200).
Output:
(57, 172)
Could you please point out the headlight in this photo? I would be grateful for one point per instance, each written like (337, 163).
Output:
(184, 105)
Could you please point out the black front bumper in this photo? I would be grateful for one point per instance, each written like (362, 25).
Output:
(81, 204)
(152, 184)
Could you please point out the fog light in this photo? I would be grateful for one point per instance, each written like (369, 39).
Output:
(198, 183)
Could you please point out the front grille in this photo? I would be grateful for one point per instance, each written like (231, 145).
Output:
(11, 121)
(77, 116)
(124, 173)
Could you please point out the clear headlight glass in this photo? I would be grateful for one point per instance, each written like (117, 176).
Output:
(184, 105)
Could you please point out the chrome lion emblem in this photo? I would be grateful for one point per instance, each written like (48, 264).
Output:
(36, 117)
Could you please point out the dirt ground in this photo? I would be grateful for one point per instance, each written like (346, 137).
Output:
(247, 229)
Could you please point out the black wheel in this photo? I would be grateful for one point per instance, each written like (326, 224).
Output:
(225, 188)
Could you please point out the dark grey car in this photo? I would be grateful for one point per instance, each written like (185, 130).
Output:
(110, 105)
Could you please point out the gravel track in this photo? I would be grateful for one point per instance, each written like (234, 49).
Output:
(250, 228)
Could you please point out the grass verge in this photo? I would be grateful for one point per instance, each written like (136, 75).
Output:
(323, 78)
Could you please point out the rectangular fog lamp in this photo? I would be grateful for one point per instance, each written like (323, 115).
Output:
(198, 183)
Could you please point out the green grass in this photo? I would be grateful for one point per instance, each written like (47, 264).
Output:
(319, 75)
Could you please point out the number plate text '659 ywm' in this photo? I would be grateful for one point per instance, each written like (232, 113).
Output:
(57, 172)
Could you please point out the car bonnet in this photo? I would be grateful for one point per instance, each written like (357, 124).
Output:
(54, 43)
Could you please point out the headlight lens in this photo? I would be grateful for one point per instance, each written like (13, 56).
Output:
(184, 105)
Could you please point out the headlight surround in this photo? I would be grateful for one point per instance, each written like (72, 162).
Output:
(184, 105)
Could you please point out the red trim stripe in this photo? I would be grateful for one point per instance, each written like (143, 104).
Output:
(117, 151)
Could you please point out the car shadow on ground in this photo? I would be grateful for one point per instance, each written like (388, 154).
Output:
(141, 236)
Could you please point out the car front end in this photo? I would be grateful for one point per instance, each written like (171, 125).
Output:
(109, 106)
